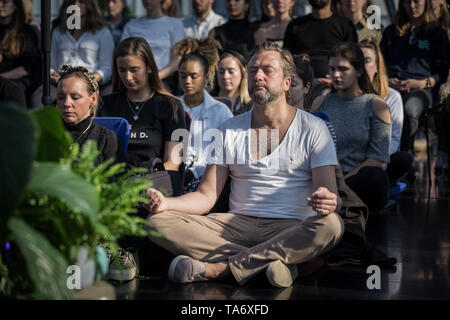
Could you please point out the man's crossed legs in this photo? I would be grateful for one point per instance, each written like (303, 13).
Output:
(222, 243)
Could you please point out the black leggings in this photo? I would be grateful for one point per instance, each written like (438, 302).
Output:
(371, 184)
(399, 165)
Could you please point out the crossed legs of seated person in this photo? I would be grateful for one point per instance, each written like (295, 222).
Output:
(218, 245)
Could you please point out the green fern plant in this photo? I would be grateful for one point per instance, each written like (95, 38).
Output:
(54, 202)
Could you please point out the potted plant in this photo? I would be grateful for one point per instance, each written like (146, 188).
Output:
(55, 201)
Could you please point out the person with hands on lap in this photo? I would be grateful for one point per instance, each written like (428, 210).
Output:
(286, 194)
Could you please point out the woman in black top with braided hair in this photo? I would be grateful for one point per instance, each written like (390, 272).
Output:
(77, 100)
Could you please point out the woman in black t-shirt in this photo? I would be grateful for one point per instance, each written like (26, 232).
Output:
(140, 98)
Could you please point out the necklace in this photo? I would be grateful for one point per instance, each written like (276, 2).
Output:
(85, 130)
(137, 106)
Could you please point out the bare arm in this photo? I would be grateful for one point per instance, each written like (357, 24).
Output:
(171, 159)
(367, 163)
(317, 102)
(325, 198)
(171, 67)
(16, 73)
(198, 202)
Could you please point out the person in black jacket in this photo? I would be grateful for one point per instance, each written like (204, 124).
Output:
(238, 33)
(415, 49)
(21, 60)
(77, 100)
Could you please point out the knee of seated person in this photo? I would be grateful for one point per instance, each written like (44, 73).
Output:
(335, 225)
(156, 220)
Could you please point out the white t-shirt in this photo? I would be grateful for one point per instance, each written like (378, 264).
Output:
(161, 34)
(277, 185)
(395, 104)
(208, 115)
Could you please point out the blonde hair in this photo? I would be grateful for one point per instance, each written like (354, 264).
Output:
(88, 78)
(380, 80)
(243, 85)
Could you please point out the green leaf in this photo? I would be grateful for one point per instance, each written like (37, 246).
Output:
(54, 141)
(45, 265)
(18, 137)
(61, 182)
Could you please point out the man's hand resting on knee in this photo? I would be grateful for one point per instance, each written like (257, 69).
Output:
(157, 203)
(323, 201)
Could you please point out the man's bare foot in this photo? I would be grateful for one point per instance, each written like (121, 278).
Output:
(217, 270)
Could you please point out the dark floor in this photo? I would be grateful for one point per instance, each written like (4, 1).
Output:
(416, 231)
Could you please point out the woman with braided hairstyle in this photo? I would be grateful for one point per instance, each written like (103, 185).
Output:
(77, 100)
(196, 73)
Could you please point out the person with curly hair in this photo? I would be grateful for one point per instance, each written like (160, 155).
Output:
(196, 73)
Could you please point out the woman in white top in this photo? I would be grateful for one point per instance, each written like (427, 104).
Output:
(195, 73)
(400, 161)
(161, 33)
(89, 45)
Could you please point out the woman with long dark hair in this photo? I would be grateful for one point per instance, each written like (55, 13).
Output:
(20, 56)
(362, 124)
(415, 49)
(89, 46)
(140, 97)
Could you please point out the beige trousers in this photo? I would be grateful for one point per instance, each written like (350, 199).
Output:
(249, 244)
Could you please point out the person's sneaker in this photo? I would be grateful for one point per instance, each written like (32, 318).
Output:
(123, 267)
(184, 269)
(281, 275)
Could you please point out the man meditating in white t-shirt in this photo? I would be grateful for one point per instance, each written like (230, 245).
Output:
(283, 199)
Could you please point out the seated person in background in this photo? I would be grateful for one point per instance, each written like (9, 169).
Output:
(139, 97)
(268, 12)
(400, 161)
(9, 91)
(203, 21)
(315, 34)
(301, 82)
(362, 124)
(170, 8)
(274, 29)
(232, 82)
(118, 17)
(237, 33)
(89, 47)
(416, 51)
(196, 71)
(286, 194)
(77, 100)
(21, 59)
(161, 33)
(356, 11)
